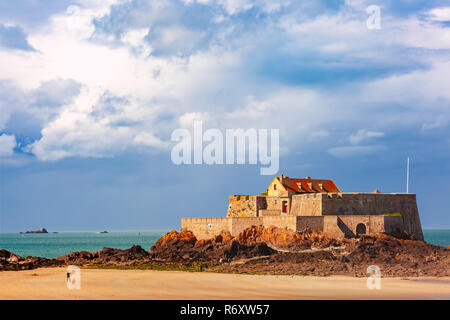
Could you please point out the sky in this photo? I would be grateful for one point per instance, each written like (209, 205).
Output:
(91, 91)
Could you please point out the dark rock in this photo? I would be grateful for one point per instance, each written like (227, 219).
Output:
(41, 230)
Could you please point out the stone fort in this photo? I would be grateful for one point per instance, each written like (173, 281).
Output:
(317, 205)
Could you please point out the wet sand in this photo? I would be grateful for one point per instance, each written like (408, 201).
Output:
(50, 283)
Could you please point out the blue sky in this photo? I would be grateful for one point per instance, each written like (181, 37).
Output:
(90, 92)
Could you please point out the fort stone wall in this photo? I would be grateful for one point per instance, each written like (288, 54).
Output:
(334, 226)
(316, 223)
(352, 226)
(289, 222)
(354, 204)
(309, 204)
(206, 228)
(251, 206)
(266, 213)
(245, 205)
(240, 224)
(274, 203)
(337, 214)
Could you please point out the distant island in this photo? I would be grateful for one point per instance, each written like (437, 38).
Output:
(41, 230)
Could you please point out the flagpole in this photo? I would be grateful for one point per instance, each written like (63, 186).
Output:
(407, 176)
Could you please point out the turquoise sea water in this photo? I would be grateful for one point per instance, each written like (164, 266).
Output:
(437, 237)
(51, 245)
(54, 245)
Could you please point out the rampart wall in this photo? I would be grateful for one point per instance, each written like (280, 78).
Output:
(206, 228)
(334, 226)
(354, 204)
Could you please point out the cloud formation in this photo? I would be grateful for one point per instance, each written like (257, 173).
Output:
(7, 145)
(354, 151)
(363, 134)
(119, 75)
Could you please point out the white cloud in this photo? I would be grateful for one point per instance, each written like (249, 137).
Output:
(416, 33)
(80, 131)
(135, 37)
(11, 99)
(178, 39)
(363, 134)
(187, 119)
(7, 145)
(236, 6)
(440, 14)
(355, 151)
(149, 140)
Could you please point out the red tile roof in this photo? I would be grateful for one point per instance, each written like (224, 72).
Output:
(309, 185)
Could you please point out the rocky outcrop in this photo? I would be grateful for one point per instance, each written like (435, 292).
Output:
(283, 251)
(41, 230)
(396, 257)
(284, 238)
(11, 261)
(184, 247)
(107, 256)
(401, 256)
(176, 239)
(6, 256)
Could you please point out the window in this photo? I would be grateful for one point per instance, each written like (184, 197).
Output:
(274, 187)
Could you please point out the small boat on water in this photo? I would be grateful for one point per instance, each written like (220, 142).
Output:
(103, 232)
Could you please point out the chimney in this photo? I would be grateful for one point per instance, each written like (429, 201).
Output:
(281, 178)
(308, 178)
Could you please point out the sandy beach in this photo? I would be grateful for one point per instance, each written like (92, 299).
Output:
(50, 283)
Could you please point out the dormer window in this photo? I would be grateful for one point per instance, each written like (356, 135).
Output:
(310, 185)
(321, 187)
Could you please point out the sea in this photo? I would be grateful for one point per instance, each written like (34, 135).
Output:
(52, 245)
